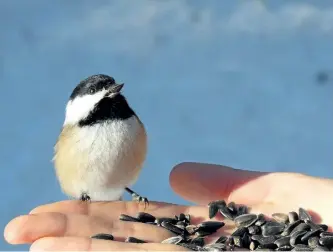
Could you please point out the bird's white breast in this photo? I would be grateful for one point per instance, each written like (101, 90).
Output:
(107, 157)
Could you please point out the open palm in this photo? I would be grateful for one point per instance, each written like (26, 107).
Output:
(68, 225)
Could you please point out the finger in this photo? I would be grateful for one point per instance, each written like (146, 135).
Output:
(28, 228)
(202, 183)
(111, 210)
(66, 206)
(87, 244)
(103, 210)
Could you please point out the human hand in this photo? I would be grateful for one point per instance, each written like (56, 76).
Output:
(68, 225)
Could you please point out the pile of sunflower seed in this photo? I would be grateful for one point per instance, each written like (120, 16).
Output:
(283, 232)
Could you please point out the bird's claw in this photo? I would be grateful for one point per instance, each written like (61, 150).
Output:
(138, 198)
(85, 197)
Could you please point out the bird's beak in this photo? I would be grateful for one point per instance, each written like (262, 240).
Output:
(116, 88)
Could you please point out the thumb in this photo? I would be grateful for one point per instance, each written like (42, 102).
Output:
(203, 183)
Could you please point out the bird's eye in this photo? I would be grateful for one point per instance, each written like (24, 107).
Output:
(91, 90)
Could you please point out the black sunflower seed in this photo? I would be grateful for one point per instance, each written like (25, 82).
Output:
(320, 248)
(283, 241)
(221, 239)
(301, 227)
(145, 217)
(293, 216)
(267, 240)
(165, 219)
(292, 231)
(232, 207)
(261, 220)
(301, 247)
(295, 238)
(199, 241)
(213, 209)
(103, 237)
(242, 210)
(239, 231)
(281, 217)
(313, 226)
(224, 210)
(284, 248)
(124, 217)
(256, 237)
(272, 228)
(173, 240)
(313, 242)
(325, 234)
(291, 227)
(218, 203)
(171, 227)
(310, 234)
(245, 220)
(266, 246)
(210, 226)
(326, 241)
(303, 214)
(151, 223)
(134, 240)
(181, 217)
(254, 229)
(246, 240)
(324, 227)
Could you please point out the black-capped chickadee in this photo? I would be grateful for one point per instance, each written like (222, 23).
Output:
(102, 146)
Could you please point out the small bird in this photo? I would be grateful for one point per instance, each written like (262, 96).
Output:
(102, 145)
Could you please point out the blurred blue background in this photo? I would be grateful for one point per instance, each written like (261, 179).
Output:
(246, 84)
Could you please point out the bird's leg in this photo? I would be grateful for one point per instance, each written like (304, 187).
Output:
(137, 197)
(85, 197)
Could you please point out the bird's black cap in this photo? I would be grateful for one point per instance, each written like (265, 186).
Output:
(108, 108)
(93, 84)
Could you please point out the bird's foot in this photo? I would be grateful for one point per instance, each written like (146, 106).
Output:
(137, 197)
(85, 197)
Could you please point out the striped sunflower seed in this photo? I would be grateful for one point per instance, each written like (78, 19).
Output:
(303, 214)
(281, 217)
(172, 228)
(173, 240)
(245, 220)
(293, 216)
(295, 238)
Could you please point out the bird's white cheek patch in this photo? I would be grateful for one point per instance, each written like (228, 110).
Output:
(80, 107)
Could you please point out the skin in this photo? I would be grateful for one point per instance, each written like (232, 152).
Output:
(67, 225)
